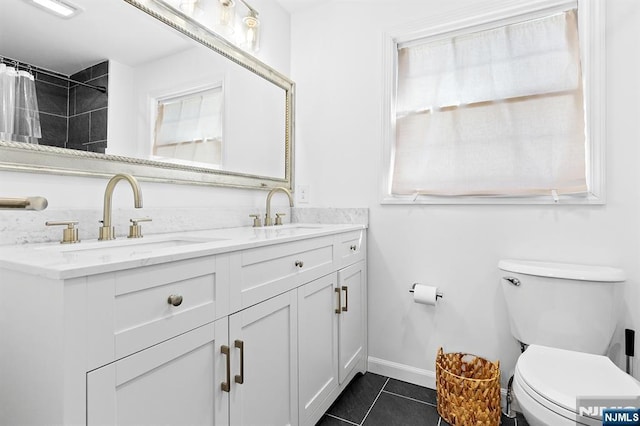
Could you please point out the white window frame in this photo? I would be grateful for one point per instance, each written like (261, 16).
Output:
(185, 90)
(477, 17)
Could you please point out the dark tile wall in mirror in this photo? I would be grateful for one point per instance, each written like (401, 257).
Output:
(88, 110)
(73, 116)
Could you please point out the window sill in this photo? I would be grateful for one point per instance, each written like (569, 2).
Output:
(590, 199)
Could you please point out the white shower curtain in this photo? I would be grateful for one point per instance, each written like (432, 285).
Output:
(19, 116)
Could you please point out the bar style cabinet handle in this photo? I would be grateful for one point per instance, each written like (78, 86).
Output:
(339, 292)
(240, 345)
(346, 298)
(226, 385)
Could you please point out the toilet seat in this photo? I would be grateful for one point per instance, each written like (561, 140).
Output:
(553, 378)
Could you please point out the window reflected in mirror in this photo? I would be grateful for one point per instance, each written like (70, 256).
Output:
(188, 128)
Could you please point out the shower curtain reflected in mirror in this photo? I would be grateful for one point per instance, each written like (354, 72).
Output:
(19, 116)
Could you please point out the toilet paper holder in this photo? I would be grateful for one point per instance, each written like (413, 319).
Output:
(439, 294)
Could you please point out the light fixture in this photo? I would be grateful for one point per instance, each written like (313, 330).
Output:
(59, 8)
(251, 29)
(226, 17)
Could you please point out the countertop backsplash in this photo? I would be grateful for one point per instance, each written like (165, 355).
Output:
(354, 216)
(24, 227)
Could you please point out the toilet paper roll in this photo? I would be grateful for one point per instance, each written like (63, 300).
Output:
(425, 294)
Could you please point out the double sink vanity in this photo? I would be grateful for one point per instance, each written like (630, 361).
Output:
(239, 326)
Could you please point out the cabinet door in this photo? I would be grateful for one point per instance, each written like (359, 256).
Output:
(351, 321)
(317, 346)
(263, 340)
(177, 382)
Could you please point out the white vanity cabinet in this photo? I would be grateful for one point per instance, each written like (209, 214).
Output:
(262, 334)
(332, 329)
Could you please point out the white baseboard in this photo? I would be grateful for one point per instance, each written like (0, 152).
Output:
(417, 376)
(403, 372)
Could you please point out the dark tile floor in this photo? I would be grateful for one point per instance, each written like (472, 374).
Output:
(374, 400)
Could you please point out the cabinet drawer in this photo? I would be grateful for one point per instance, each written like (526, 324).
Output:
(351, 247)
(264, 272)
(143, 315)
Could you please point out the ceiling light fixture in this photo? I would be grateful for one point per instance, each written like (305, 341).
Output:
(59, 8)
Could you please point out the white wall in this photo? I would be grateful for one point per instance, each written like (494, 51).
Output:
(337, 66)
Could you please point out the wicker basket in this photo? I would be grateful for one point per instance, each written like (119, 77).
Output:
(468, 389)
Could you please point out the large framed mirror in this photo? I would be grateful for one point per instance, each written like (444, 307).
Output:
(138, 86)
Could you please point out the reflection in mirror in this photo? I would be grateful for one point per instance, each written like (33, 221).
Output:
(160, 92)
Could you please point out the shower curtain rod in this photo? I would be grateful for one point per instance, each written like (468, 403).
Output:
(28, 67)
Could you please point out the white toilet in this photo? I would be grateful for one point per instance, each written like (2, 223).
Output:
(566, 314)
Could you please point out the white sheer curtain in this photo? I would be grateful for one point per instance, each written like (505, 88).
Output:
(497, 112)
(19, 116)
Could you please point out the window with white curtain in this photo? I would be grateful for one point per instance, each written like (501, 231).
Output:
(493, 112)
(188, 128)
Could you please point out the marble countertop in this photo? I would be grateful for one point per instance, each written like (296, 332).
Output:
(63, 261)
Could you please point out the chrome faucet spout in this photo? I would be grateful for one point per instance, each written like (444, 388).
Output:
(107, 232)
(267, 219)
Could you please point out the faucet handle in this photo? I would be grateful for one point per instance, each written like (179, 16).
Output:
(70, 234)
(279, 218)
(256, 220)
(135, 230)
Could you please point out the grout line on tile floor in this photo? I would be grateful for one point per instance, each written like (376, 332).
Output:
(374, 402)
(341, 419)
(409, 398)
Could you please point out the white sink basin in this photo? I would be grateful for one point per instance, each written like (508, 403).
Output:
(128, 247)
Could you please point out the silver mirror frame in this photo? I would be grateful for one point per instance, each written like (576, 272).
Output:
(15, 156)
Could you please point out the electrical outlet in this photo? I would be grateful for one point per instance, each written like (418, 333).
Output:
(302, 194)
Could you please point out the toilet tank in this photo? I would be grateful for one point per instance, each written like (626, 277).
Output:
(562, 305)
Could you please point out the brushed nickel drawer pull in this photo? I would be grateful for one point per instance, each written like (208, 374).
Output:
(175, 300)
(339, 308)
(240, 345)
(226, 385)
(346, 298)
(299, 263)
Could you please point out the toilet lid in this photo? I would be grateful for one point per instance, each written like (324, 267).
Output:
(560, 376)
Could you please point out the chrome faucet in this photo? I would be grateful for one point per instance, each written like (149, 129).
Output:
(267, 218)
(107, 232)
